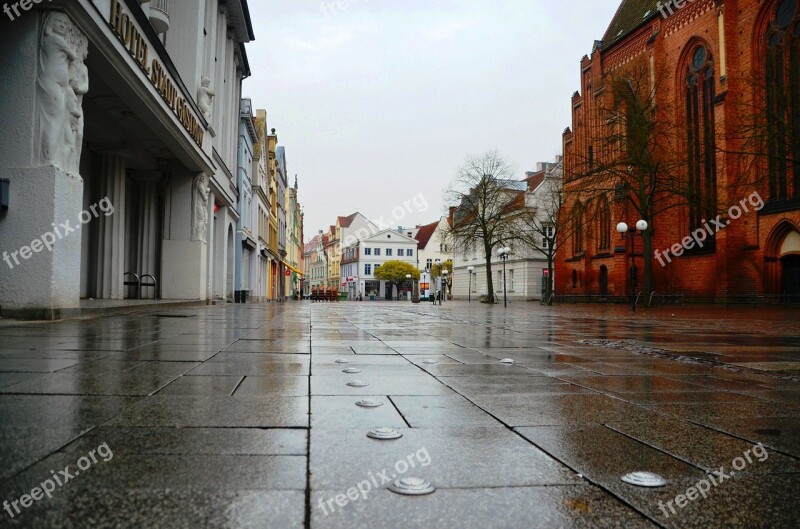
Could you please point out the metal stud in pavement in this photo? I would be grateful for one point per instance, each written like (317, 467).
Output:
(411, 486)
(351, 370)
(507, 361)
(384, 434)
(644, 479)
(369, 403)
(358, 384)
(341, 361)
(429, 361)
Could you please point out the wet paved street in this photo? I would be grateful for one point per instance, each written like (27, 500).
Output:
(241, 416)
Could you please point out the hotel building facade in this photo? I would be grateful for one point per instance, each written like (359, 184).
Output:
(130, 104)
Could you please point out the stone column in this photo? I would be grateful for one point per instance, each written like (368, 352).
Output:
(148, 242)
(111, 233)
(43, 83)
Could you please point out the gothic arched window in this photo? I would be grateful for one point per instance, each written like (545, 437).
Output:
(783, 101)
(700, 135)
(577, 229)
(603, 224)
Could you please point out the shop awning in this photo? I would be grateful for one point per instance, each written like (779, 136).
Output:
(292, 268)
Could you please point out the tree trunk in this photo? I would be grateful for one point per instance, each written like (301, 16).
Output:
(490, 286)
(549, 288)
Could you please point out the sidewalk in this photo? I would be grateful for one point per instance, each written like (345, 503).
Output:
(241, 416)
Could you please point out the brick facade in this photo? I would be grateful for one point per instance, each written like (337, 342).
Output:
(756, 254)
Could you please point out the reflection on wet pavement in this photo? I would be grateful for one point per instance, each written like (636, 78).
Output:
(241, 416)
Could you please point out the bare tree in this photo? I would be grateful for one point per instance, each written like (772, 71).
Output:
(484, 192)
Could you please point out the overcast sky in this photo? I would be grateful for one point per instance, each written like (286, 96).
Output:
(383, 100)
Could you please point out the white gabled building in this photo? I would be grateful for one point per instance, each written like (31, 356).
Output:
(525, 268)
(433, 244)
(361, 259)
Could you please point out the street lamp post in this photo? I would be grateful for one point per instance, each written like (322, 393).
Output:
(419, 285)
(504, 253)
(630, 232)
(408, 279)
(470, 269)
(445, 284)
(438, 263)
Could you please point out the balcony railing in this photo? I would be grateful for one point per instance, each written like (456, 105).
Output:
(159, 15)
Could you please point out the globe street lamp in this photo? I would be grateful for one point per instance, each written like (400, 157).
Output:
(504, 253)
(470, 269)
(630, 232)
(445, 283)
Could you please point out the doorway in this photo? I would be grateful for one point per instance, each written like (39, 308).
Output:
(790, 269)
(604, 281)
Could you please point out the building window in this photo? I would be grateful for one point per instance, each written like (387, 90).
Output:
(428, 263)
(389, 252)
(409, 252)
(400, 252)
(577, 229)
(574, 279)
(377, 251)
(367, 269)
(549, 235)
(604, 224)
(511, 280)
(367, 251)
(474, 282)
(499, 287)
(700, 135)
(783, 101)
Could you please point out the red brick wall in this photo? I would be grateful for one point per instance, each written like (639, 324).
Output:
(740, 265)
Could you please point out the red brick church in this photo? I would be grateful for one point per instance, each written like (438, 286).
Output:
(726, 75)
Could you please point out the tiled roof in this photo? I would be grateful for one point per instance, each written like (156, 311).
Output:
(630, 15)
(514, 185)
(535, 180)
(425, 233)
(345, 222)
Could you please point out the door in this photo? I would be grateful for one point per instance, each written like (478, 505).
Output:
(604, 281)
(790, 266)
